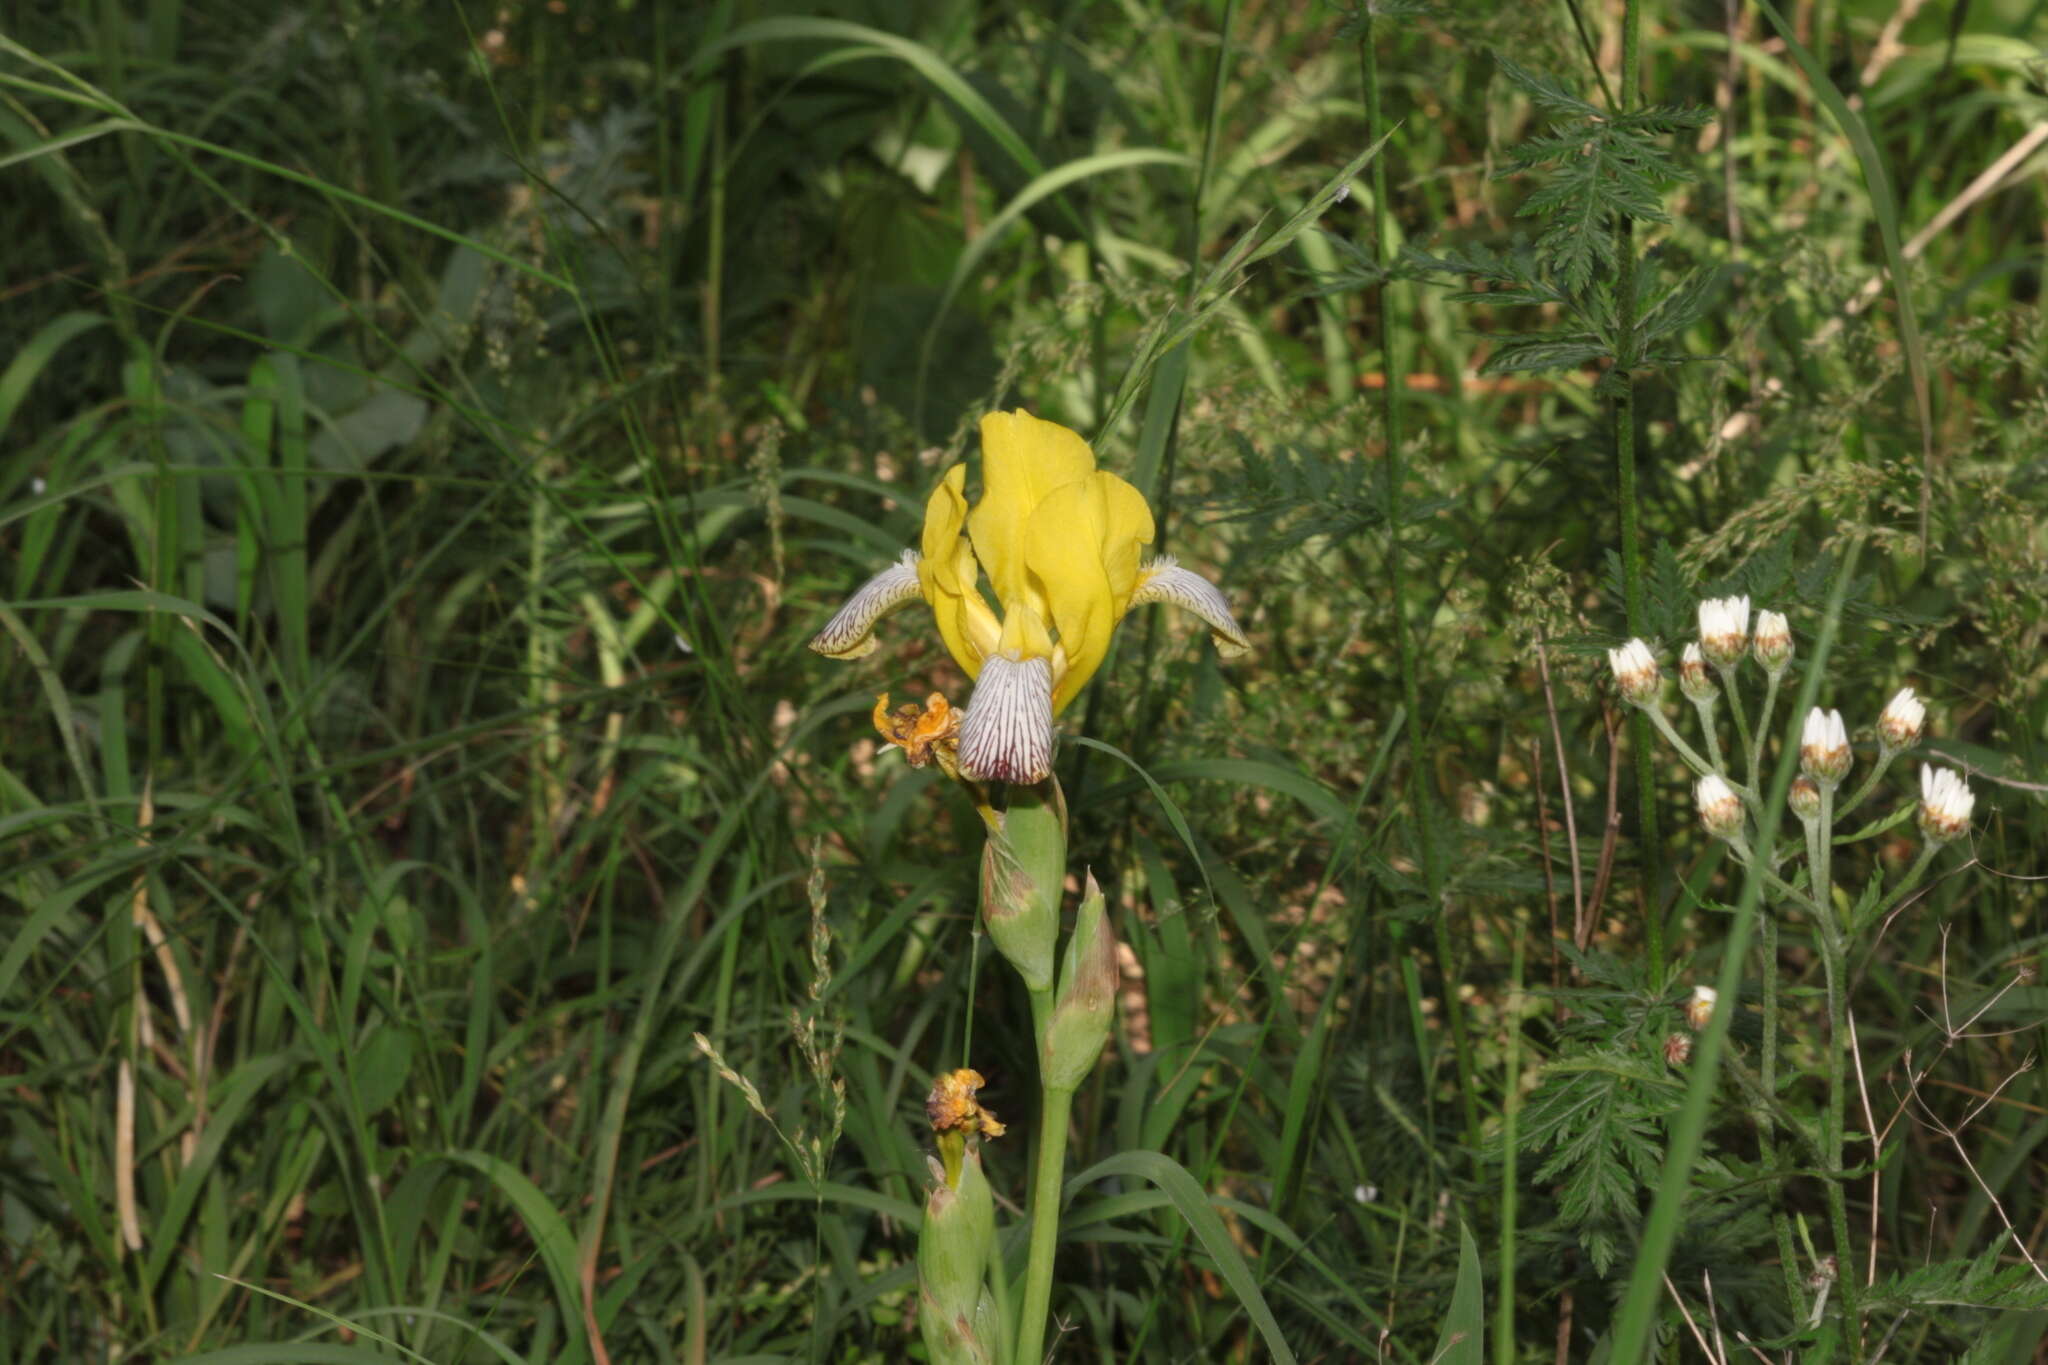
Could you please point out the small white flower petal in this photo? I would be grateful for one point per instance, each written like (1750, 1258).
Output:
(850, 634)
(1007, 736)
(1164, 580)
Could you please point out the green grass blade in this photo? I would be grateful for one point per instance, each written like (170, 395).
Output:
(1193, 1204)
(1462, 1338)
(1884, 207)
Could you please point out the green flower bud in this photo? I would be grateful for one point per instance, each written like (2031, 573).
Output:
(1087, 1000)
(1023, 872)
(1805, 798)
(952, 1254)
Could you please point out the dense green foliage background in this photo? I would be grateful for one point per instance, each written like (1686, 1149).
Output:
(432, 432)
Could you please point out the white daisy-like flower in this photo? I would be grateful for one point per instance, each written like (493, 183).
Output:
(1945, 804)
(1903, 719)
(1635, 672)
(1824, 752)
(1693, 678)
(1720, 808)
(1724, 629)
(1773, 643)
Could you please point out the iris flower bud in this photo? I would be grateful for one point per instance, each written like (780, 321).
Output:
(1023, 875)
(1080, 1018)
(952, 1254)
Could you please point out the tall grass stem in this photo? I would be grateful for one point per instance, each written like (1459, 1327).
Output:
(1392, 392)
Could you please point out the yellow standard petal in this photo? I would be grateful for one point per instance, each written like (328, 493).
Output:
(1023, 460)
(947, 572)
(1082, 547)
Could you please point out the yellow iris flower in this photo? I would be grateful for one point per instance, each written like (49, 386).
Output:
(1062, 545)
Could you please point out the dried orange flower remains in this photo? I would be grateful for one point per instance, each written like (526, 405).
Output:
(952, 1105)
(925, 734)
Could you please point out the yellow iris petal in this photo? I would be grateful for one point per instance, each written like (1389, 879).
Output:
(1023, 461)
(1025, 635)
(1082, 546)
(947, 573)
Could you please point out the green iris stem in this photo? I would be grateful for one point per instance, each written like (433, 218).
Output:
(1041, 1013)
(1045, 1225)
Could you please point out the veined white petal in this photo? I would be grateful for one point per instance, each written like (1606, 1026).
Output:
(1164, 580)
(850, 634)
(1007, 736)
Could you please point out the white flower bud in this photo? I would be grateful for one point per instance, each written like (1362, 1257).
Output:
(1699, 1011)
(1720, 808)
(1824, 753)
(1724, 629)
(1692, 674)
(1805, 798)
(1945, 804)
(1902, 721)
(1635, 672)
(1773, 643)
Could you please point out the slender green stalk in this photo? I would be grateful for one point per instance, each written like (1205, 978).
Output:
(1912, 879)
(1763, 726)
(1045, 1225)
(1686, 751)
(1511, 1111)
(1734, 691)
(1771, 879)
(1833, 945)
(1392, 416)
(1836, 963)
(1706, 709)
(1773, 1153)
(1624, 411)
(714, 265)
(1885, 755)
(973, 989)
